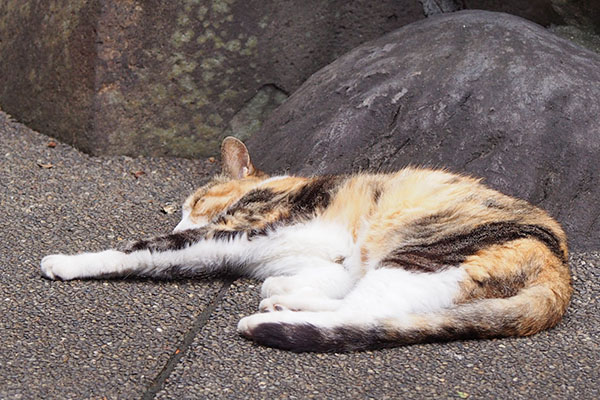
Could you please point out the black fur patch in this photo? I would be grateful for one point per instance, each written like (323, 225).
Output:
(454, 249)
(314, 195)
(225, 235)
(173, 241)
(252, 199)
(308, 338)
(503, 288)
(377, 191)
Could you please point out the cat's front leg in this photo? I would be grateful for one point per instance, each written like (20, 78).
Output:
(180, 254)
(299, 301)
(317, 286)
(314, 274)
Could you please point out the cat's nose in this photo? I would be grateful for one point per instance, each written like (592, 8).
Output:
(186, 223)
(182, 226)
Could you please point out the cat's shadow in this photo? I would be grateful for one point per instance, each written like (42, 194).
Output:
(182, 278)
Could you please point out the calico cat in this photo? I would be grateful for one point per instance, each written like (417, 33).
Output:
(359, 261)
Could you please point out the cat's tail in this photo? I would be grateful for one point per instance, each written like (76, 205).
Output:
(533, 309)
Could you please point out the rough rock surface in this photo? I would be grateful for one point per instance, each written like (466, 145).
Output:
(581, 13)
(582, 36)
(167, 77)
(434, 7)
(540, 11)
(478, 92)
(47, 64)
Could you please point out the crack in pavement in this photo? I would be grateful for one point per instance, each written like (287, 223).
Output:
(199, 323)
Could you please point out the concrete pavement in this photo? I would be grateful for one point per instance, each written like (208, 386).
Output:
(127, 339)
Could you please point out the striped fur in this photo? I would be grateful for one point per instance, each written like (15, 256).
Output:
(360, 261)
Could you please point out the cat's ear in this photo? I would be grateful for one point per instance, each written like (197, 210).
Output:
(236, 159)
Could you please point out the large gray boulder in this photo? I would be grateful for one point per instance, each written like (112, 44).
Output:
(478, 92)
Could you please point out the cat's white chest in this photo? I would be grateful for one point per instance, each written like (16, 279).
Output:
(315, 238)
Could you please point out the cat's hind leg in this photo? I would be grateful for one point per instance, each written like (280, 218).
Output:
(386, 302)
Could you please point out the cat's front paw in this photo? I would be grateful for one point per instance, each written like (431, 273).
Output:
(88, 265)
(271, 304)
(303, 300)
(276, 285)
(59, 266)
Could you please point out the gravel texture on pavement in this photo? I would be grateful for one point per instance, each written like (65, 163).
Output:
(111, 339)
(85, 339)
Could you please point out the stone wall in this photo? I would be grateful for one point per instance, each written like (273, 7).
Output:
(171, 77)
(47, 63)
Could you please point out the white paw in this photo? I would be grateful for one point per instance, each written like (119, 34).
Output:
(249, 323)
(246, 325)
(275, 285)
(59, 266)
(84, 265)
(271, 304)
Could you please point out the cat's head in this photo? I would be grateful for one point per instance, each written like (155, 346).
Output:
(238, 177)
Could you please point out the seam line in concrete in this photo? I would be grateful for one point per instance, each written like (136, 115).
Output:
(188, 338)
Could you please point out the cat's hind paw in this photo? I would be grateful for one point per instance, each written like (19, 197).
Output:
(249, 323)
